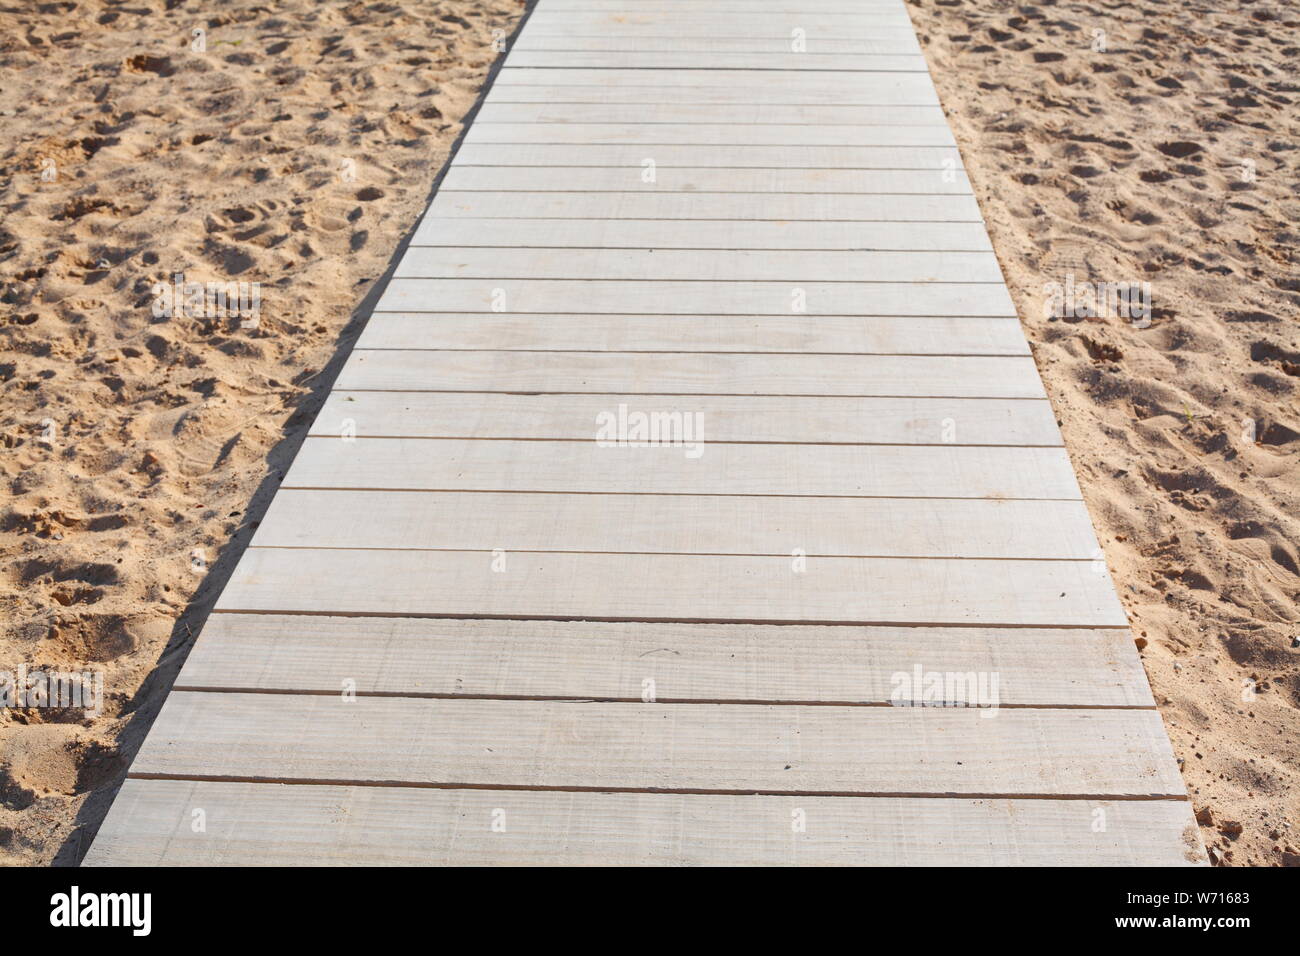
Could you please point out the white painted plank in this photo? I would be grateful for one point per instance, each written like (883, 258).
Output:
(707, 234)
(703, 113)
(695, 207)
(686, 662)
(725, 6)
(749, 419)
(881, 335)
(781, 419)
(884, 61)
(707, 23)
(684, 373)
(678, 587)
(885, 750)
(268, 825)
(598, 297)
(743, 128)
(898, 146)
(675, 179)
(888, 41)
(753, 86)
(711, 265)
(923, 471)
(899, 89)
(680, 524)
(928, 167)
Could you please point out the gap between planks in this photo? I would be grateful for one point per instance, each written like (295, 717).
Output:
(679, 747)
(683, 791)
(718, 662)
(598, 699)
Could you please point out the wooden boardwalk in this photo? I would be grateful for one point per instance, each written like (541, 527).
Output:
(489, 619)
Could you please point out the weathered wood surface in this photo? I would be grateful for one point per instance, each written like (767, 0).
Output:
(686, 662)
(790, 748)
(259, 825)
(475, 627)
(763, 419)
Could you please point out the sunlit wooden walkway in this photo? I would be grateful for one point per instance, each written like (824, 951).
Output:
(484, 622)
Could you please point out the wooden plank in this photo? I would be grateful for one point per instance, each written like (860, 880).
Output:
(680, 524)
(493, 112)
(711, 265)
(884, 61)
(686, 662)
(684, 373)
(658, 234)
(922, 164)
(899, 146)
(742, 86)
(627, 178)
(924, 471)
(889, 41)
(780, 419)
(826, 208)
(677, 587)
(872, 492)
(599, 297)
(900, 89)
(862, 25)
(881, 335)
(723, 6)
(730, 747)
(268, 825)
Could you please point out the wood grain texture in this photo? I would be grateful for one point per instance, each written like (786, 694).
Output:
(850, 335)
(699, 662)
(743, 169)
(678, 587)
(664, 297)
(780, 419)
(924, 471)
(269, 825)
(898, 89)
(884, 59)
(660, 234)
(897, 145)
(703, 23)
(700, 265)
(940, 376)
(725, 6)
(687, 524)
(708, 114)
(935, 160)
(729, 747)
(693, 207)
(887, 41)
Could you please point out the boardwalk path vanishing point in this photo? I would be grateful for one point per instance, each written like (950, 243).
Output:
(566, 646)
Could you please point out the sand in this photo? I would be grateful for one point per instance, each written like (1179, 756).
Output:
(294, 151)
(1171, 157)
(298, 149)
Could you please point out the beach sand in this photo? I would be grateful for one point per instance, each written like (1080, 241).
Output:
(294, 151)
(1171, 156)
(298, 149)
